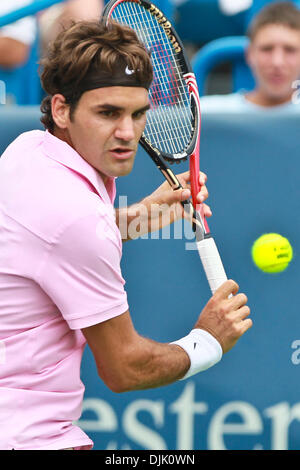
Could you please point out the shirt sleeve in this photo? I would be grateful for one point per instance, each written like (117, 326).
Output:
(81, 272)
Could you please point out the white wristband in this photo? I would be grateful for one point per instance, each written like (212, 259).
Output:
(203, 349)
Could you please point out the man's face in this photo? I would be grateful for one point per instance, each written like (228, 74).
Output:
(106, 127)
(274, 56)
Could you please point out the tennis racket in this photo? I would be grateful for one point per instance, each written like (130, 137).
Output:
(172, 131)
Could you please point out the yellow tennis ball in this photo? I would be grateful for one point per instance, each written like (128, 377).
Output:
(272, 253)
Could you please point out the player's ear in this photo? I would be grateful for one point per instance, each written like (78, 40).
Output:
(60, 111)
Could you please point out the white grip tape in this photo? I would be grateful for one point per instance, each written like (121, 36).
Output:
(212, 263)
(203, 350)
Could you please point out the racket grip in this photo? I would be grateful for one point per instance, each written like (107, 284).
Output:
(212, 263)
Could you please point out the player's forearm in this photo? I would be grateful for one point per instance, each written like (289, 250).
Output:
(147, 216)
(135, 220)
(147, 365)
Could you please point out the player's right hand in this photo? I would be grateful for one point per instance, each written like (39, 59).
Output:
(225, 315)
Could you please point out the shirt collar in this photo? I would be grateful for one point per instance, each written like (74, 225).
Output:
(64, 154)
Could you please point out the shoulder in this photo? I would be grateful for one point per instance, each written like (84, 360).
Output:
(20, 149)
(41, 194)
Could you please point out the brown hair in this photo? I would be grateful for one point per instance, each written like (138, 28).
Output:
(88, 48)
(281, 13)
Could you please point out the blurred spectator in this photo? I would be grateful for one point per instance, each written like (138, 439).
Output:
(232, 7)
(54, 18)
(16, 38)
(274, 58)
(243, 10)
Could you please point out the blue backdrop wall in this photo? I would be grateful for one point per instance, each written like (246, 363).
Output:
(251, 399)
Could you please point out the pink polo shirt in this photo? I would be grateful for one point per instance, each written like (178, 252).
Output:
(60, 252)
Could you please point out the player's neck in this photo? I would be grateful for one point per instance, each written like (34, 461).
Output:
(62, 134)
(259, 98)
(65, 136)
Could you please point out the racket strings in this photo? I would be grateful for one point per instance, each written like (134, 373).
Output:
(170, 120)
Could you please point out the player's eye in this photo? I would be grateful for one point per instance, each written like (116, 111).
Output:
(107, 113)
(139, 114)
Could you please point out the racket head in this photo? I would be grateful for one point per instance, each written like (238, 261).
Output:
(173, 121)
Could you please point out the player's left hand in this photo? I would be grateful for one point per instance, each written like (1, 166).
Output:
(170, 201)
(161, 208)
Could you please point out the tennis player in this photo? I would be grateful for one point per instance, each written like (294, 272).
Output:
(61, 284)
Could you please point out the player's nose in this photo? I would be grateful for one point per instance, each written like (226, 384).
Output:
(125, 129)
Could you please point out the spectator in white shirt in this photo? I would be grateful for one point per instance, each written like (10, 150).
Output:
(16, 38)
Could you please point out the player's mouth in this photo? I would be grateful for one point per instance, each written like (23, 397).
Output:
(122, 153)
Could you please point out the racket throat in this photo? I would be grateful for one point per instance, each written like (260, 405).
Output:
(170, 177)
